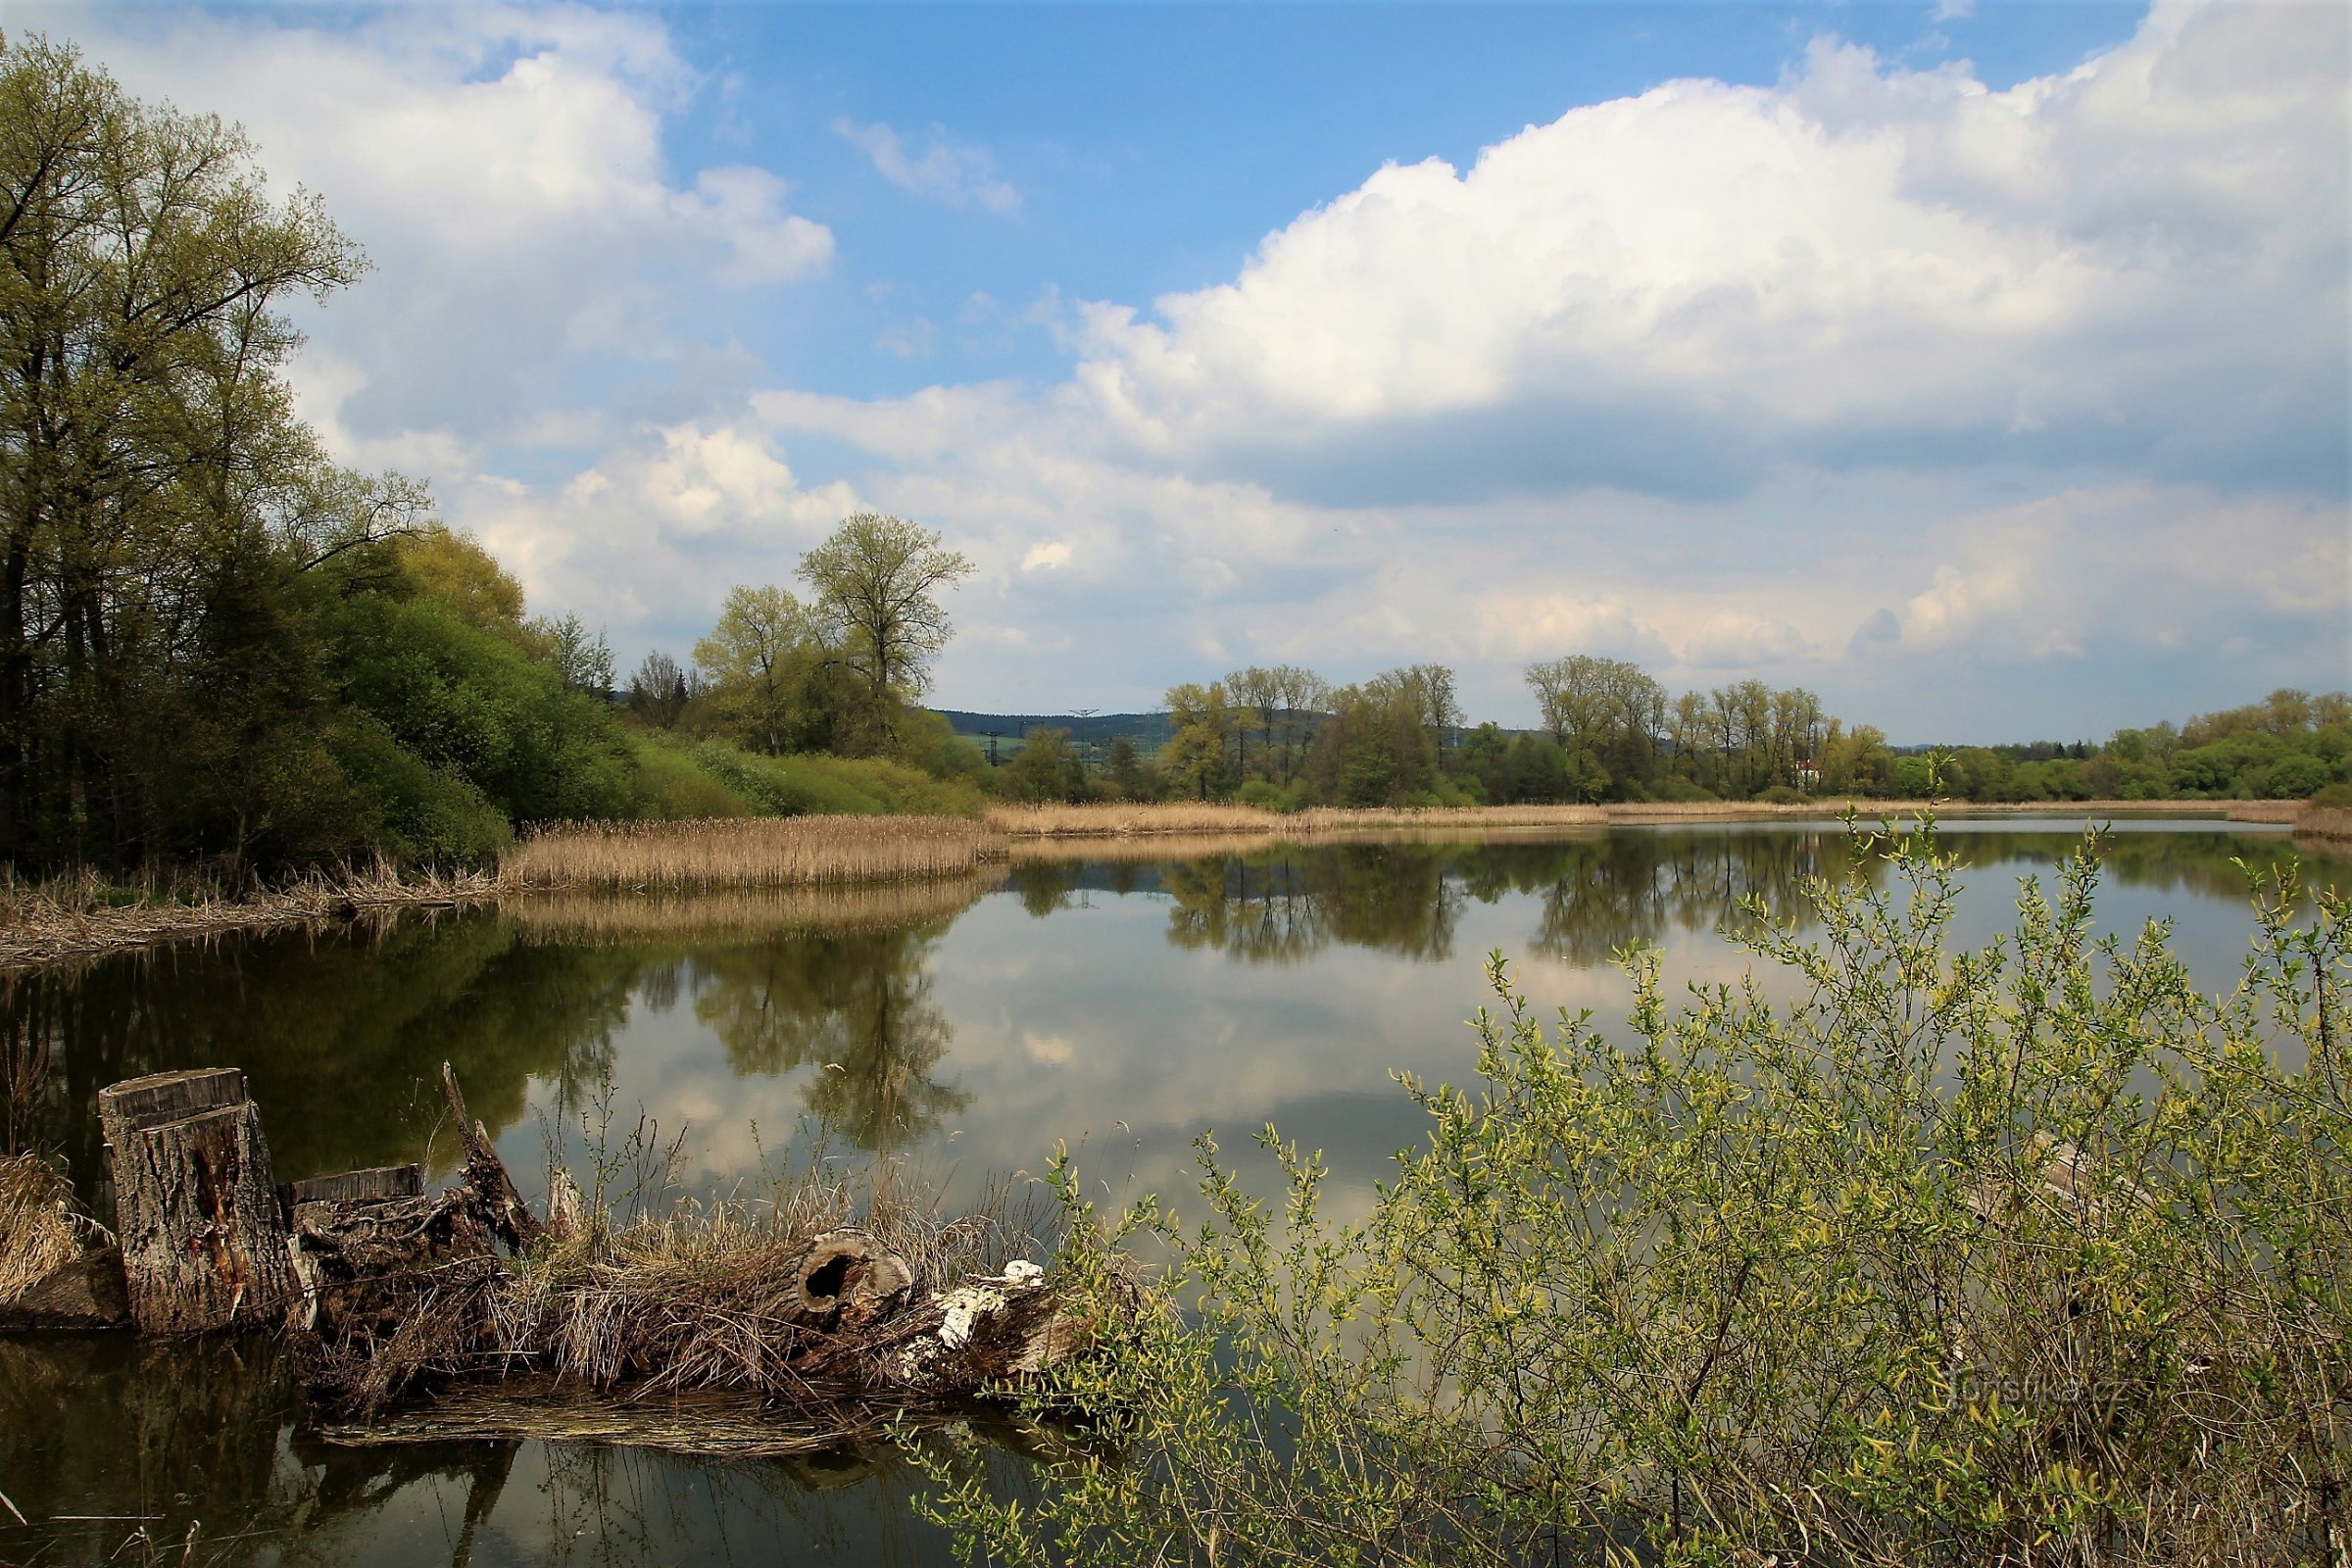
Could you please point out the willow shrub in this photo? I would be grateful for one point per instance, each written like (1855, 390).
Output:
(2026, 1255)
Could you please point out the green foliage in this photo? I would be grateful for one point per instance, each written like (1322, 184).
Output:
(1048, 767)
(474, 705)
(1782, 795)
(2026, 1254)
(820, 785)
(672, 785)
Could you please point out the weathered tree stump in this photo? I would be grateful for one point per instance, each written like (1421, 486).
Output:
(204, 1246)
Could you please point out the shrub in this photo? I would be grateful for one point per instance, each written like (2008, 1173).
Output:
(2024, 1254)
(670, 786)
(1263, 794)
(1682, 792)
(1783, 795)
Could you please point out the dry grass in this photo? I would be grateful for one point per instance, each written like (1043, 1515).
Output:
(84, 915)
(2265, 810)
(39, 1230)
(1129, 819)
(605, 917)
(2330, 822)
(752, 852)
(697, 1300)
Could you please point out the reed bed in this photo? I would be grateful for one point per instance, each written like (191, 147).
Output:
(2276, 812)
(2330, 823)
(84, 914)
(747, 914)
(1124, 819)
(749, 853)
(39, 1230)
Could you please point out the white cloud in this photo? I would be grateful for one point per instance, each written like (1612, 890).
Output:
(1047, 555)
(506, 171)
(2142, 261)
(945, 171)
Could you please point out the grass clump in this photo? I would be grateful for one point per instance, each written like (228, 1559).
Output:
(2028, 1254)
(39, 1230)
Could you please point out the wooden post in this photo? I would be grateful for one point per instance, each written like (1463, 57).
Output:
(204, 1245)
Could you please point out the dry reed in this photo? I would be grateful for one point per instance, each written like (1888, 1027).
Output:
(697, 1300)
(749, 853)
(2332, 824)
(605, 917)
(1124, 819)
(39, 1230)
(84, 915)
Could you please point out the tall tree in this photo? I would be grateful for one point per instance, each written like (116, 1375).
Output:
(758, 660)
(158, 499)
(876, 581)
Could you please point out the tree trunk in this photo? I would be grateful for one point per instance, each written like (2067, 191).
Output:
(204, 1245)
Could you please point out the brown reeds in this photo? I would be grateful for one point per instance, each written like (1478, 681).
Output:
(1127, 819)
(39, 1230)
(69, 917)
(2330, 823)
(740, 913)
(749, 853)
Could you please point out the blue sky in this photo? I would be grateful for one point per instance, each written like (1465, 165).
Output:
(1982, 369)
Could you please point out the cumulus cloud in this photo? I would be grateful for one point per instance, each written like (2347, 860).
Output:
(505, 169)
(2138, 262)
(1873, 378)
(944, 171)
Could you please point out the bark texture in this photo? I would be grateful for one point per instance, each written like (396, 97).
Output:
(204, 1245)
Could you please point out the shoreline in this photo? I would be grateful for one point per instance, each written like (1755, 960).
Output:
(78, 918)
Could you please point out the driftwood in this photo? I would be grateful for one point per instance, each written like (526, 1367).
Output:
(509, 1217)
(204, 1246)
(493, 1323)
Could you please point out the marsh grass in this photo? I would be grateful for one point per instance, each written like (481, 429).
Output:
(1133, 819)
(756, 853)
(39, 1228)
(608, 917)
(85, 913)
(2330, 823)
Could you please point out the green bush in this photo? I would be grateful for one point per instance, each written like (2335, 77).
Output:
(1682, 792)
(1263, 794)
(1783, 795)
(2029, 1255)
(419, 814)
(671, 785)
(815, 784)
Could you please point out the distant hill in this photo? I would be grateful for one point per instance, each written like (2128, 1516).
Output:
(1148, 731)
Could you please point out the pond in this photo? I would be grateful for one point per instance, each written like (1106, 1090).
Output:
(1121, 999)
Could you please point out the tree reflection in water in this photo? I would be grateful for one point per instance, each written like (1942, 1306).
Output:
(1596, 890)
(341, 1039)
(210, 1434)
(857, 1007)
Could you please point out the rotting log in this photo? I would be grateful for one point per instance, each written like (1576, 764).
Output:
(204, 1245)
(361, 1238)
(509, 1217)
(85, 1292)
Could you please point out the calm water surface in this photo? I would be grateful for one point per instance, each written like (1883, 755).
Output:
(1122, 1005)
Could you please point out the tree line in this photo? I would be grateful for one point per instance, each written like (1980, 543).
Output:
(1285, 738)
(220, 648)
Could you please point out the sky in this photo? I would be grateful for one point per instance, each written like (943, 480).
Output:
(1984, 368)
